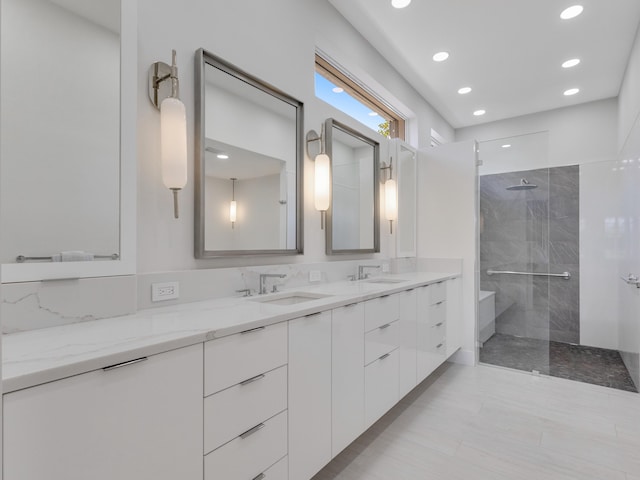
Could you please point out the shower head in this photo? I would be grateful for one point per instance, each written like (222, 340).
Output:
(524, 185)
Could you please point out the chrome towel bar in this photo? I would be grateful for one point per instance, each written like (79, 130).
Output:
(564, 275)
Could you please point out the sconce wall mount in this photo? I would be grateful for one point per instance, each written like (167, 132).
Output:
(164, 95)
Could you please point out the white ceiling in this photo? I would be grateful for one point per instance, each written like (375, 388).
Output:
(509, 51)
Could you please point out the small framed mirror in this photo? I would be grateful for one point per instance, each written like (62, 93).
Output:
(249, 164)
(353, 219)
(407, 174)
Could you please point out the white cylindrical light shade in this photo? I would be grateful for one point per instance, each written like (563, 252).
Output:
(322, 182)
(173, 143)
(233, 211)
(391, 200)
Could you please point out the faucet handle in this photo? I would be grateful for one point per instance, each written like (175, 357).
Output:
(246, 291)
(351, 278)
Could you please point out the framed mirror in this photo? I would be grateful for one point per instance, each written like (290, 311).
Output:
(68, 151)
(249, 164)
(405, 163)
(353, 219)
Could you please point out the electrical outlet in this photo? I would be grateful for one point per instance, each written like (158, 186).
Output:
(165, 291)
(315, 276)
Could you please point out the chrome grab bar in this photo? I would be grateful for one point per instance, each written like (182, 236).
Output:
(631, 280)
(564, 275)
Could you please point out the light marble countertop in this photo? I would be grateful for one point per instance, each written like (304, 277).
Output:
(40, 356)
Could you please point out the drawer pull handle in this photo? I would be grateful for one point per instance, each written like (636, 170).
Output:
(252, 379)
(124, 364)
(440, 345)
(383, 296)
(384, 356)
(313, 315)
(350, 305)
(439, 303)
(385, 326)
(260, 477)
(438, 325)
(251, 431)
(253, 330)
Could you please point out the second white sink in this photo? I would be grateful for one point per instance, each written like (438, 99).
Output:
(289, 298)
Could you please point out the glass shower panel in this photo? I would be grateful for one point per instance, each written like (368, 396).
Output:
(516, 320)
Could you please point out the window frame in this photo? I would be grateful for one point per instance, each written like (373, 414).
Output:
(397, 124)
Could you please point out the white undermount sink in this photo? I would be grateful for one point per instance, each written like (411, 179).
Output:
(386, 280)
(289, 298)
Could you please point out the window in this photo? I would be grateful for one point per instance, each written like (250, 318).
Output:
(342, 91)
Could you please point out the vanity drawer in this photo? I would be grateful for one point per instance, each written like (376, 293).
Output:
(380, 311)
(381, 341)
(437, 292)
(437, 314)
(237, 409)
(248, 457)
(279, 471)
(382, 381)
(236, 358)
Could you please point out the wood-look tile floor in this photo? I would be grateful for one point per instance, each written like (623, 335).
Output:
(488, 423)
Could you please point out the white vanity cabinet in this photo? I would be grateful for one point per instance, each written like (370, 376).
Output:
(309, 395)
(381, 365)
(432, 328)
(143, 421)
(347, 375)
(408, 358)
(245, 404)
(454, 315)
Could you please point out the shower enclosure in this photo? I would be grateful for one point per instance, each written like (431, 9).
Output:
(530, 267)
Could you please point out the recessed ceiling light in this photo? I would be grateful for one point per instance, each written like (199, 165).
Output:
(571, 91)
(571, 12)
(338, 90)
(440, 56)
(571, 63)
(506, 145)
(478, 113)
(400, 3)
(223, 156)
(373, 114)
(464, 90)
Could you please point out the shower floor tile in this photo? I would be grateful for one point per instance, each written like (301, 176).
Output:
(597, 366)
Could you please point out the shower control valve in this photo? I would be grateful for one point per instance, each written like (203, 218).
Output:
(632, 280)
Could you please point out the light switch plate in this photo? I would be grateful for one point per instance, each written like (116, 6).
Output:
(165, 291)
(385, 267)
(315, 276)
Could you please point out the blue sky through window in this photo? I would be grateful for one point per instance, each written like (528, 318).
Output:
(346, 103)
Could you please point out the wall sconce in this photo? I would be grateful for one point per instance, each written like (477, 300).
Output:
(390, 196)
(322, 181)
(233, 206)
(173, 126)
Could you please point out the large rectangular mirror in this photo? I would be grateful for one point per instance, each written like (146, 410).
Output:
(353, 220)
(64, 151)
(248, 164)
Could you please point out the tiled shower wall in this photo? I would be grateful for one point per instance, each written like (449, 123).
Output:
(533, 231)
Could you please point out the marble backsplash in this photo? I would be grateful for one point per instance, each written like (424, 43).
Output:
(533, 231)
(35, 305)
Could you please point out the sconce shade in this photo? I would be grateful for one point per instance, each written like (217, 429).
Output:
(233, 211)
(173, 135)
(322, 182)
(391, 200)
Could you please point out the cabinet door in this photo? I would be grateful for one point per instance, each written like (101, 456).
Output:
(408, 342)
(309, 395)
(430, 338)
(142, 421)
(347, 393)
(454, 315)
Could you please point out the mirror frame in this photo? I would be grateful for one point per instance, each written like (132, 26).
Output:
(329, 125)
(202, 59)
(126, 264)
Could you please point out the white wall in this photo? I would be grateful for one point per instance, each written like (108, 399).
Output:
(580, 134)
(629, 98)
(275, 41)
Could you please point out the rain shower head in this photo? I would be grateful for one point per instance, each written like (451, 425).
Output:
(524, 185)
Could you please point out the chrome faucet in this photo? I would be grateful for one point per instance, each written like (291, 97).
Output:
(263, 281)
(361, 268)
